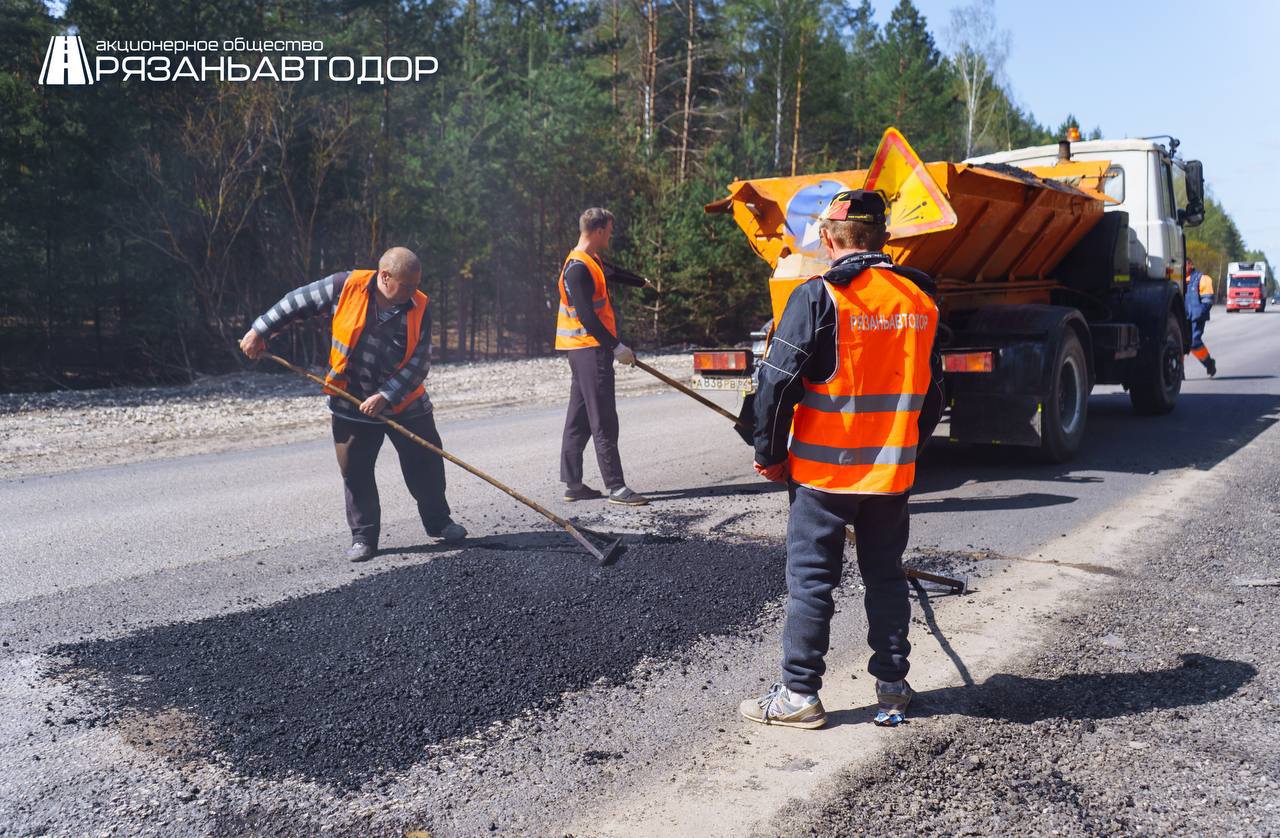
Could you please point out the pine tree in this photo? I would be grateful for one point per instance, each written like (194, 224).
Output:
(910, 84)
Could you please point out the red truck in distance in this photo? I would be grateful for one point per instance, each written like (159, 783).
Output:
(1246, 286)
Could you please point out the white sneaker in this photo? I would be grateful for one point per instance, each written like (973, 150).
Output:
(781, 706)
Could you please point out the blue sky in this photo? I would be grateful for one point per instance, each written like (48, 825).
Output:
(1206, 72)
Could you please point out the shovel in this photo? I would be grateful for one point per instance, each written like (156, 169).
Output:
(606, 554)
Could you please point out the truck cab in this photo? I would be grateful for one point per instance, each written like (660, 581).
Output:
(1246, 286)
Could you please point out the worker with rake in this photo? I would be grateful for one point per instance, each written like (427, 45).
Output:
(380, 353)
(587, 333)
(838, 415)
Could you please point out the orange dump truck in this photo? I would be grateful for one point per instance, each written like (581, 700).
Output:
(1063, 270)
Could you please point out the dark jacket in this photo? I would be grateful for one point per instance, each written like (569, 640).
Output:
(804, 346)
(1197, 305)
(580, 288)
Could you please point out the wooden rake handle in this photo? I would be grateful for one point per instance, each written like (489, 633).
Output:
(693, 394)
(527, 501)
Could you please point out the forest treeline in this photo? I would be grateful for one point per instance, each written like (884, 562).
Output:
(144, 225)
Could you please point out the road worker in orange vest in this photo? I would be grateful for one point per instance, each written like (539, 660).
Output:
(1198, 301)
(587, 332)
(380, 352)
(845, 378)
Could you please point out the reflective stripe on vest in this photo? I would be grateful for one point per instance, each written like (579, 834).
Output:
(884, 455)
(348, 322)
(573, 312)
(570, 333)
(857, 433)
(862, 404)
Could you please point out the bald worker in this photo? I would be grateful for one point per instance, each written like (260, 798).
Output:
(380, 353)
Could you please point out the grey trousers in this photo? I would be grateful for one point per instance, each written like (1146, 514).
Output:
(593, 414)
(815, 561)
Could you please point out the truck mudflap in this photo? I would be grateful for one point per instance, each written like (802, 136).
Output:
(1007, 404)
(996, 419)
(1004, 405)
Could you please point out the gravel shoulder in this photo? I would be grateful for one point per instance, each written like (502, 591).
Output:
(50, 433)
(1151, 710)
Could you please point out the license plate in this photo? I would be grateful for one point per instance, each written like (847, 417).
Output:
(703, 382)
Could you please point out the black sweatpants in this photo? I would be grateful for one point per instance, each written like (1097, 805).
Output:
(357, 445)
(815, 561)
(593, 414)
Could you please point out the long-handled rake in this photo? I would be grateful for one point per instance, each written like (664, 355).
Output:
(606, 554)
(741, 423)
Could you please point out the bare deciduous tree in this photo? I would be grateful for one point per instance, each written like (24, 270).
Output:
(206, 184)
(978, 50)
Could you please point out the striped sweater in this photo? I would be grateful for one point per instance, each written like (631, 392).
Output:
(372, 368)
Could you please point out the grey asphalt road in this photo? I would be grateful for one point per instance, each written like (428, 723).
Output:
(128, 553)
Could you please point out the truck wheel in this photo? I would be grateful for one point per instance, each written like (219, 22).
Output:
(1065, 410)
(1157, 379)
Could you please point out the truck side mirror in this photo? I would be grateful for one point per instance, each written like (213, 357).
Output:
(1193, 216)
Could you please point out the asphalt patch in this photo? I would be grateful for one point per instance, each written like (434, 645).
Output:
(348, 684)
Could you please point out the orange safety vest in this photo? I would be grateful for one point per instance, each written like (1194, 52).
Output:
(570, 333)
(348, 323)
(856, 433)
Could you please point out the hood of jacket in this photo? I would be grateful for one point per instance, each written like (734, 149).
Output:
(844, 269)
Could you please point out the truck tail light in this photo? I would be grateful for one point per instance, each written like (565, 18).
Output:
(733, 360)
(968, 361)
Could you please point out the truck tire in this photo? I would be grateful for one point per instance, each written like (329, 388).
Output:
(1157, 380)
(1064, 412)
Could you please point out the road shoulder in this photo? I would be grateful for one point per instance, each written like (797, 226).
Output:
(741, 780)
(1153, 705)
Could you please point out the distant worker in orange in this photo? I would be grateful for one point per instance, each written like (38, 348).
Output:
(846, 377)
(1198, 300)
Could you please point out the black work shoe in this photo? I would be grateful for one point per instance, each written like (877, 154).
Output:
(361, 552)
(582, 492)
(450, 532)
(1211, 367)
(626, 497)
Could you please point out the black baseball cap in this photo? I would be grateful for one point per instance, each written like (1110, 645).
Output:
(866, 205)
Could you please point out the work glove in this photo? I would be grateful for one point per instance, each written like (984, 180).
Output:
(623, 354)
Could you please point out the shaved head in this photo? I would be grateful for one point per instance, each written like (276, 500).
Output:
(400, 262)
(399, 275)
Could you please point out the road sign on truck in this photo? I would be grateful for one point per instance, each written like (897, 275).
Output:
(1063, 270)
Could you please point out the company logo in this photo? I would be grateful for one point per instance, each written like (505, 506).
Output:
(65, 62)
(223, 60)
(890, 322)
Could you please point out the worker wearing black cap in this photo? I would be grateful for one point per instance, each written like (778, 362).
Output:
(842, 390)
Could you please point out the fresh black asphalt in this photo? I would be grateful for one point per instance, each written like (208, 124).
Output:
(347, 684)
